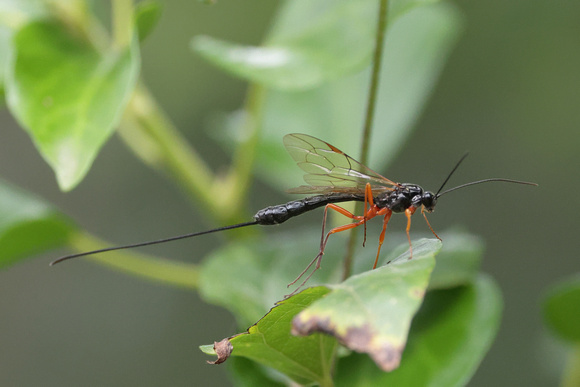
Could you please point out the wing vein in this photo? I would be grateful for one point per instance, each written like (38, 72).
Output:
(328, 169)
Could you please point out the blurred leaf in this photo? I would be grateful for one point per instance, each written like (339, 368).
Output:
(334, 37)
(258, 270)
(458, 262)
(240, 287)
(247, 278)
(449, 338)
(398, 8)
(207, 349)
(416, 48)
(5, 37)
(147, 15)
(298, 20)
(28, 225)
(278, 67)
(14, 13)
(310, 43)
(68, 95)
(371, 312)
(247, 373)
(269, 342)
(562, 309)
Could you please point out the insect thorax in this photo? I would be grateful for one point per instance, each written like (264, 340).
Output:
(401, 198)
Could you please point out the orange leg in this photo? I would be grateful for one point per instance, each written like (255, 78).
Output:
(408, 212)
(369, 200)
(371, 213)
(388, 214)
(429, 224)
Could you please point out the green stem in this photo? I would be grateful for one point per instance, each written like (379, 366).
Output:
(236, 184)
(328, 382)
(375, 80)
(165, 271)
(328, 369)
(370, 113)
(571, 376)
(76, 16)
(122, 22)
(153, 138)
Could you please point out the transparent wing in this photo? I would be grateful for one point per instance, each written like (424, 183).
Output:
(328, 169)
(311, 190)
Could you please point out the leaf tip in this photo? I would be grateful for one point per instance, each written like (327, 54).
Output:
(222, 349)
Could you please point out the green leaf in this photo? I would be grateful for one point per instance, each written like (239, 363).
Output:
(458, 262)
(207, 349)
(247, 373)
(310, 43)
(371, 312)
(68, 95)
(449, 337)
(398, 8)
(269, 342)
(5, 37)
(562, 309)
(14, 13)
(147, 15)
(416, 47)
(334, 37)
(28, 225)
(249, 277)
(278, 67)
(300, 20)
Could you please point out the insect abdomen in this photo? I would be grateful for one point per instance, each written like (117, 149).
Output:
(281, 213)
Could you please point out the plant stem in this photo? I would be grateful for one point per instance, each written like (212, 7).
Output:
(122, 22)
(328, 370)
(151, 135)
(370, 113)
(571, 376)
(236, 184)
(76, 16)
(165, 271)
(375, 80)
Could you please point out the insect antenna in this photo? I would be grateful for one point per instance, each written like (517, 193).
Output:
(486, 181)
(439, 193)
(451, 173)
(154, 242)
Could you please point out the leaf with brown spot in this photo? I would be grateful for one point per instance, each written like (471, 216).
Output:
(372, 312)
(449, 338)
(223, 350)
(269, 342)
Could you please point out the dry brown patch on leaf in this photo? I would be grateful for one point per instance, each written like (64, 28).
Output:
(223, 350)
(360, 339)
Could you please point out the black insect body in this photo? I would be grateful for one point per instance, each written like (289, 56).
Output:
(282, 212)
(406, 196)
(334, 177)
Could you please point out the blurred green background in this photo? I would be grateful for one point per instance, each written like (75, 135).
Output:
(510, 94)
